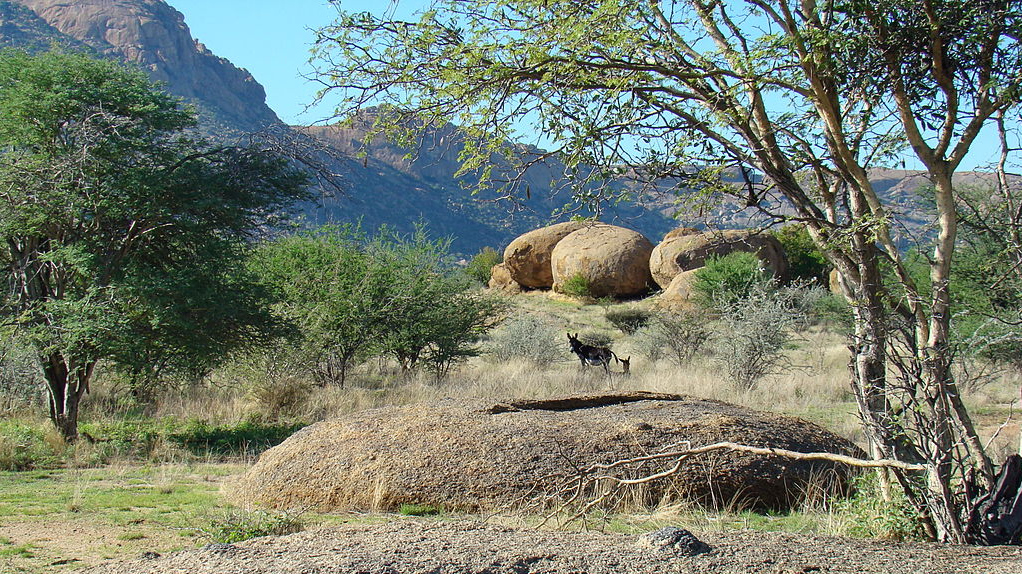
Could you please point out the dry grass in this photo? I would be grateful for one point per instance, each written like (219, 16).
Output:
(814, 387)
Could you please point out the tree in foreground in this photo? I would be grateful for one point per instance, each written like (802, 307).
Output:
(122, 234)
(800, 97)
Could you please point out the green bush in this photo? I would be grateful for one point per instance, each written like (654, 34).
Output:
(235, 525)
(482, 263)
(141, 438)
(629, 319)
(349, 298)
(420, 510)
(725, 280)
(805, 261)
(870, 516)
(577, 286)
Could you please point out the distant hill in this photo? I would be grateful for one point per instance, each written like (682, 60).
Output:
(388, 185)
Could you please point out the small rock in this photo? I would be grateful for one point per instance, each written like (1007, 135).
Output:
(672, 538)
(220, 548)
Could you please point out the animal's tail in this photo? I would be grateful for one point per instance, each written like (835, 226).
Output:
(613, 354)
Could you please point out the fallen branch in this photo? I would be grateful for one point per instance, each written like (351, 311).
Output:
(583, 480)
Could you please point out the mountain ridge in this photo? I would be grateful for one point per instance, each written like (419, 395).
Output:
(384, 184)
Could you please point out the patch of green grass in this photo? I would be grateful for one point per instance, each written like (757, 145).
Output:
(420, 510)
(234, 525)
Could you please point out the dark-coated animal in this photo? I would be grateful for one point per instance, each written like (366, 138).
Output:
(590, 355)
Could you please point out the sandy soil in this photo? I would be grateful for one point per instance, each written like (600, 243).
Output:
(421, 546)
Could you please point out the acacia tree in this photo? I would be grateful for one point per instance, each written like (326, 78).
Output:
(122, 230)
(801, 97)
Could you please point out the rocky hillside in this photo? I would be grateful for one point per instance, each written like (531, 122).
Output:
(388, 185)
(152, 35)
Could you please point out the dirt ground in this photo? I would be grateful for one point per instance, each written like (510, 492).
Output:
(420, 546)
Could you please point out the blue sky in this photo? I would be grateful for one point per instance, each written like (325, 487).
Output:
(272, 38)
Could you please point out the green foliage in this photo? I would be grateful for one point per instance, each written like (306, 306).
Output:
(805, 261)
(349, 297)
(527, 337)
(629, 319)
(24, 447)
(727, 279)
(144, 438)
(873, 517)
(481, 265)
(577, 286)
(123, 234)
(19, 375)
(234, 525)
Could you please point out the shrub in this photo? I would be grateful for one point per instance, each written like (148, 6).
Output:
(753, 333)
(725, 280)
(870, 516)
(596, 339)
(629, 319)
(527, 337)
(480, 266)
(677, 336)
(24, 447)
(577, 286)
(420, 510)
(234, 525)
(19, 376)
(805, 261)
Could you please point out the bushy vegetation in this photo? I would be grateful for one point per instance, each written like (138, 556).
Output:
(481, 265)
(673, 335)
(753, 332)
(577, 286)
(348, 297)
(527, 337)
(725, 280)
(235, 525)
(628, 319)
(805, 262)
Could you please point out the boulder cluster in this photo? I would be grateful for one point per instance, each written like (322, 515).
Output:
(621, 263)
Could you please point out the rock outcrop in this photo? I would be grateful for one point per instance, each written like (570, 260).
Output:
(475, 455)
(154, 36)
(614, 260)
(528, 257)
(685, 250)
(500, 279)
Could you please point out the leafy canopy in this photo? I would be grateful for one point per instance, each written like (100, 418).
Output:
(123, 230)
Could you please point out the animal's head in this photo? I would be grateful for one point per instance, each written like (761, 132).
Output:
(626, 363)
(573, 341)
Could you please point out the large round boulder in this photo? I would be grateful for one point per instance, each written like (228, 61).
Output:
(527, 258)
(614, 260)
(474, 455)
(685, 250)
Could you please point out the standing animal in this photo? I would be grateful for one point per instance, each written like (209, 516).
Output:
(590, 355)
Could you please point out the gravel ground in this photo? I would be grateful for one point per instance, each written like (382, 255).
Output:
(437, 547)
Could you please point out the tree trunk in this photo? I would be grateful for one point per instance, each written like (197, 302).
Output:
(67, 384)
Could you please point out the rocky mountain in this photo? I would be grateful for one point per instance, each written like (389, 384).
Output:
(387, 185)
(152, 35)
